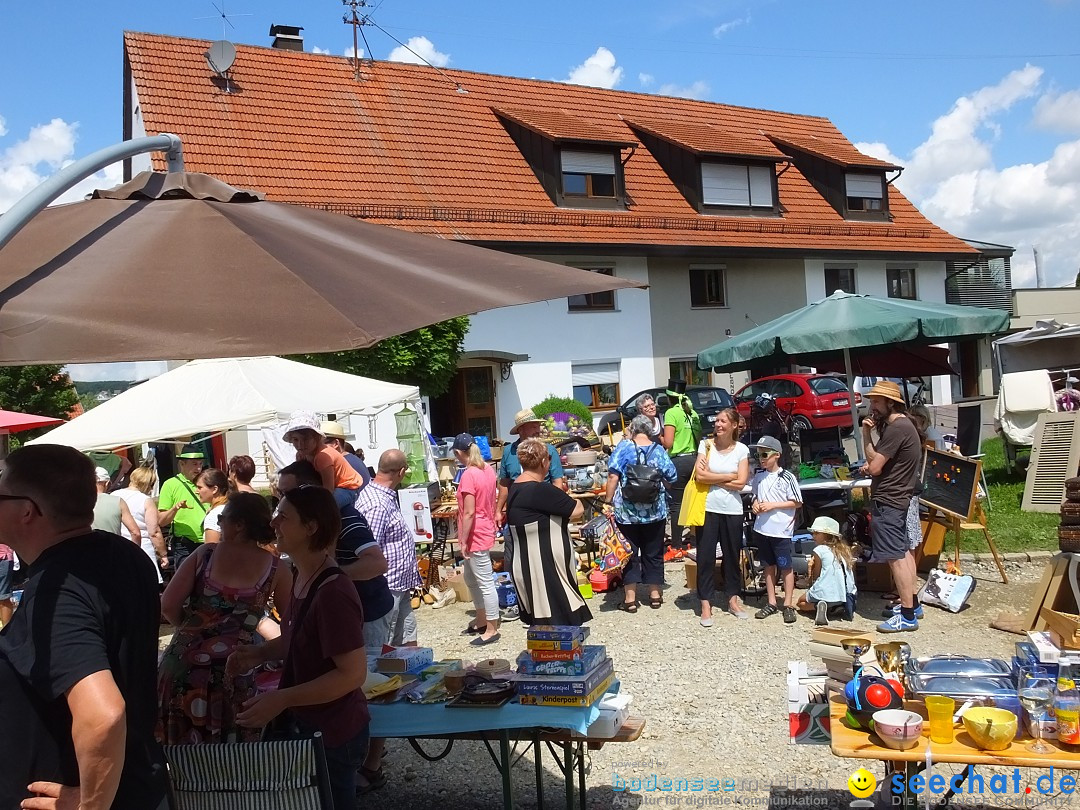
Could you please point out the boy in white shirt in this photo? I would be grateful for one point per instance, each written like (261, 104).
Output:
(776, 499)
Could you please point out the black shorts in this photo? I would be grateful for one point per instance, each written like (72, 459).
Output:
(773, 550)
(888, 532)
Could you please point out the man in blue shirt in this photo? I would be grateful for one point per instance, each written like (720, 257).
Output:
(526, 426)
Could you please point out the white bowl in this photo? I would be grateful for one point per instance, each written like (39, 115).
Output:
(898, 728)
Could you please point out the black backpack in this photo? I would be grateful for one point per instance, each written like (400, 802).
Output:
(642, 483)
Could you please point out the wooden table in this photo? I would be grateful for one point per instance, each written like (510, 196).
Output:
(861, 744)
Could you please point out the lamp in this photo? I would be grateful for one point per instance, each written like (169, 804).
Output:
(446, 478)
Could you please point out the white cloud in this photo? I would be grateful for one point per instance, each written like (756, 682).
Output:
(45, 150)
(3, 127)
(599, 70)
(1059, 112)
(425, 51)
(349, 52)
(723, 28)
(645, 79)
(953, 178)
(698, 90)
(317, 49)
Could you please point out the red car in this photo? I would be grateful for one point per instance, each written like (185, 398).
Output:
(815, 401)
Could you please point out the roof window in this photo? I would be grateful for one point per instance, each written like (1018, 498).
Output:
(588, 174)
(737, 185)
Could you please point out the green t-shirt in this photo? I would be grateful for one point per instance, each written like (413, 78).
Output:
(684, 441)
(188, 522)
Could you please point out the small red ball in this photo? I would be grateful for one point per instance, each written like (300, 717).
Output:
(878, 695)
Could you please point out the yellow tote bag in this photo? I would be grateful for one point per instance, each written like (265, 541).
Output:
(692, 509)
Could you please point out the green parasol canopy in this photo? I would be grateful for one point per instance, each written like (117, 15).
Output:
(844, 322)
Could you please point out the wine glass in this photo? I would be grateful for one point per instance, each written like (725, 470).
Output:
(1036, 696)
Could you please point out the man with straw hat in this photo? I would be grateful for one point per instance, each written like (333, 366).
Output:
(892, 461)
(526, 426)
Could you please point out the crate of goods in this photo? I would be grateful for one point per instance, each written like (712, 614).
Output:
(1065, 625)
(505, 589)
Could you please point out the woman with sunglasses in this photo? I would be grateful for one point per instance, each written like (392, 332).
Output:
(322, 644)
(216, 600)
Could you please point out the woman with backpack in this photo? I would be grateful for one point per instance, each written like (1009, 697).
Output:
(639, 471)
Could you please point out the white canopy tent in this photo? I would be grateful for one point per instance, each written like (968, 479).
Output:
(218, 395)
(1046, 345)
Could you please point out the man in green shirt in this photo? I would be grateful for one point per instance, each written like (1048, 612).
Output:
(680, 438)
(179, 505)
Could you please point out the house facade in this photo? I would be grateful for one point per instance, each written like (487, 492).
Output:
(732, 216)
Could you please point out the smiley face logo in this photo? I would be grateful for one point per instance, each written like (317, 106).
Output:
(861, 783)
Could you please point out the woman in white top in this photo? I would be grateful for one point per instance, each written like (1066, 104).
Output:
(213, 488)
(144, 510)
(646, 406)
(723, 463)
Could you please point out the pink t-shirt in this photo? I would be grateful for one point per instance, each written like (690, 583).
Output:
(480, 483)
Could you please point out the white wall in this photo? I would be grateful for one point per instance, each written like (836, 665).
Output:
(555, 339)
(139, 163)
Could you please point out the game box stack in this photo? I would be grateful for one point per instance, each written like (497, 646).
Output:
(560, 669)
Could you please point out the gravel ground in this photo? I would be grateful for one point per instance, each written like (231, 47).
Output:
(715, 702)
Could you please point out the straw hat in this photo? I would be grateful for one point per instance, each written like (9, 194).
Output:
(887, 389)
(825, 525)
(333, 430)
(523, 418)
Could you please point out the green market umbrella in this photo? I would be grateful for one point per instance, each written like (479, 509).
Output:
(844, 322)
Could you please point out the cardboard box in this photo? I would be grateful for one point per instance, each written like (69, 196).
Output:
(691, 574)
(614, 711)
(873, 577)
(457, 582)
(557, 632)
(404, 659)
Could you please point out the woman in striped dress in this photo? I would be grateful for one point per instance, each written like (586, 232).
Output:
(544, 568)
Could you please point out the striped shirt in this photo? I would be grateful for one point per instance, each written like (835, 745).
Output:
(379, 505)
(776, 487)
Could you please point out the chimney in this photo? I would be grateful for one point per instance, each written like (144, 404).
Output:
(287, 37)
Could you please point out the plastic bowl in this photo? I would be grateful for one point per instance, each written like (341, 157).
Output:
(992, 729)
(898, 728)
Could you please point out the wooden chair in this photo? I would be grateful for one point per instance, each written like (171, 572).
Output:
(281, 775)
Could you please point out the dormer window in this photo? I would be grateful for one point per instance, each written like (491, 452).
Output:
(865, 192)
(737, 185)
(588, 175)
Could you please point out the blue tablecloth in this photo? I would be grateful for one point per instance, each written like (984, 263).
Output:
(404, 719)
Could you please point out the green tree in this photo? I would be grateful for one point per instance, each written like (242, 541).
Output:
(41, 390)
(425, 357)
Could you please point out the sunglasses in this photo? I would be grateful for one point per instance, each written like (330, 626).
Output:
(767, 453)
(22, 498)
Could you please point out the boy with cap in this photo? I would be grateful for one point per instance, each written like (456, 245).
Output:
(179, 505)
(776, 499)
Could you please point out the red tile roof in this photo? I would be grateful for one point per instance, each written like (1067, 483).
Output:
(837, 150)
(703, 139)
(404, 147)
(558, 125)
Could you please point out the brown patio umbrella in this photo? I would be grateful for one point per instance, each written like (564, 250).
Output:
(181, 265)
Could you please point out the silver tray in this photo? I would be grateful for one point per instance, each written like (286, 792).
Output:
(959, 686)
(959, 666)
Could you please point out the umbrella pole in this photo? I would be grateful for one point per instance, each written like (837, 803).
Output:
(39, 198)
(851, 396)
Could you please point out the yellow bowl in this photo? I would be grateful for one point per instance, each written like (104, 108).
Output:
(991, 729)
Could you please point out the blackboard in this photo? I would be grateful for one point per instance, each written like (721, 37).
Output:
(950, 483)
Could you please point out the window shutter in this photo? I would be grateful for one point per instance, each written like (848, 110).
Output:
(595, 373)
(588, 162)
(724, 184)
(761, 178)
(1055, 455)
(864, 185)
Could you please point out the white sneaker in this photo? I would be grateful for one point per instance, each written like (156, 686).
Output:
(821, 614)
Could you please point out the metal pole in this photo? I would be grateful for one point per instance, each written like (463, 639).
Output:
(851, 396)
(38, 199)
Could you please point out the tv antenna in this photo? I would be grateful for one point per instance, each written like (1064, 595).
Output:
(357, 20)
(226, 23)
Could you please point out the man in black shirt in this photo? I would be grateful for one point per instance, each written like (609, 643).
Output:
(78, 662)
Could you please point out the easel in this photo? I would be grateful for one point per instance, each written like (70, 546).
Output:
(977, 522)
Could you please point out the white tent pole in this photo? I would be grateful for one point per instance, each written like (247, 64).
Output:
(851, 396)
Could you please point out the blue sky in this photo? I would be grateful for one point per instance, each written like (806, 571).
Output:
(980, 101)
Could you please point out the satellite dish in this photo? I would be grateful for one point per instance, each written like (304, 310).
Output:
(220, 56)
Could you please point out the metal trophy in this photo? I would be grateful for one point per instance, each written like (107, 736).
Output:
(893, 657)
(856, 648)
